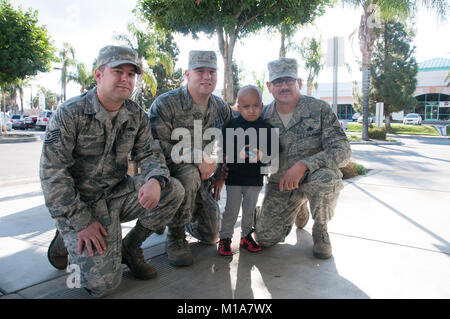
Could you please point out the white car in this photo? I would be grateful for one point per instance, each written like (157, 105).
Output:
(43, 119)
(344, 125)
(412, 118)
(370, 119)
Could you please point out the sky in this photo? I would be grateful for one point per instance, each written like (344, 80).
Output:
(89, 25)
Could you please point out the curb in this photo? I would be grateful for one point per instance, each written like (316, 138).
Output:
(18, 139)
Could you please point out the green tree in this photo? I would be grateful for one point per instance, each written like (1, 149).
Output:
(25, 47)
(145, 43)
(83, 77)
(165, 82)
(310, 50)
(393, 69)
(373, 12)
(50, 98)
(66, 56)
(230, 20)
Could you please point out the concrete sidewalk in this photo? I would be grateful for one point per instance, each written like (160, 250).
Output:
(390, 237)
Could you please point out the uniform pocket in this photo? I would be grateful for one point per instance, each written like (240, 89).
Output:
(100, 212)
(89, 145)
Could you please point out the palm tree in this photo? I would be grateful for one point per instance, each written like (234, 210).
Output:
(67, 59)
(145, 43)
(313, 57)
(384, 9)
(82, 76)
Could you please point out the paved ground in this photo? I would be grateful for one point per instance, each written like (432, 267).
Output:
(390, 239)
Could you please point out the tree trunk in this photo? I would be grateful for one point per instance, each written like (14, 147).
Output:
(366, 38)
(139, 88)
(283, 46)
(309, 85)
(387, 122)
(226, 47)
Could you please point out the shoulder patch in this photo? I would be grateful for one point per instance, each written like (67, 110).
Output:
(52, 137)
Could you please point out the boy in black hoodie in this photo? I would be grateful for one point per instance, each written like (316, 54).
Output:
(245, 180)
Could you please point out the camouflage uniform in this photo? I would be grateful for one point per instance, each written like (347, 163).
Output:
(176, 109)
(84, 178)
(315, 137)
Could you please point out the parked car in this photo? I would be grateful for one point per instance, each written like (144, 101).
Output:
(30, 121)
(18, 121)
(43, 119)
(370, 119)
(344, 124)
(5, 120)
(355, 116)
(412, 118)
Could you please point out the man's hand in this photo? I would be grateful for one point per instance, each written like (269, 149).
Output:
(291, 178)
(93, 234)
(207, 167)
(216, 188)
(149, 194)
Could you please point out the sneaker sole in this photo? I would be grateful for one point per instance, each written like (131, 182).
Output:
(252, 251)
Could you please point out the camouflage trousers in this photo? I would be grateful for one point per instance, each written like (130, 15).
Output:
(279, 209)
(102, 274)
(199, 213)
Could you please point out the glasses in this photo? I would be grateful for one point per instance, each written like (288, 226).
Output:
(279, 82)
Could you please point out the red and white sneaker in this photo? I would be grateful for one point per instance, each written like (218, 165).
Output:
(224, 247)
(249, 243)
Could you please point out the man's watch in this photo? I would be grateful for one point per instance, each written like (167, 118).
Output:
(160, 179)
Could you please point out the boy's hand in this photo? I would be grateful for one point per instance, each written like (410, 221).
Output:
(216, 188)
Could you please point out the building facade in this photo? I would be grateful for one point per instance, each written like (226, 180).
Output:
(432, 93)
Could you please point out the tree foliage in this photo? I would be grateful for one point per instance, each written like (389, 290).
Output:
(374, 11)
(145, 43)
(394, 69)
(310, 50)
(230, 20)
(25, 47)
(165, 81)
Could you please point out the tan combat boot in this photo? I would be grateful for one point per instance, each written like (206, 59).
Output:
(178, 251)
(303, 216)
(132, 254)
(322, 244)
(57, 252)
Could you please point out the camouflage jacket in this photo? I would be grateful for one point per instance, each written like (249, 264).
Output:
(176, 109)
(85, 157)
(313, 135)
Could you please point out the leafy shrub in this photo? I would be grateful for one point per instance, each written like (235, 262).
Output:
(377, 133)
(352, 169)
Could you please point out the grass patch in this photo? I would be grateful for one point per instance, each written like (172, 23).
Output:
(403, 129)
(352, 170)
(7, 135)
(354, 138)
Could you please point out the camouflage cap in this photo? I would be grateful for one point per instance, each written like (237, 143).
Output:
(114, 56)
(282, 68)
(202, 59)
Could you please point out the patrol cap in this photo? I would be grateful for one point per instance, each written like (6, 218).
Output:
(202, 59)
(114, 56)
(281, 68)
